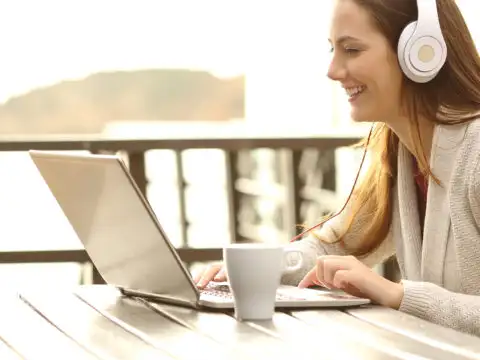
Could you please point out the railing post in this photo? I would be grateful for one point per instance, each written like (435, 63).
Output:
(90, 275)
(96, 277)
(290, 160)
(181, 185)
(136, 164)
(232, 193)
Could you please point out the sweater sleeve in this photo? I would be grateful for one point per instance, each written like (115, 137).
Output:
(438, 305)
(325, 242)
(474, 194)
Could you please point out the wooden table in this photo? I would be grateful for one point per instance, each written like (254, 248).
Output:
(96, 322)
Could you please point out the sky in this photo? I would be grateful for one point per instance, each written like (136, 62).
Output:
(43, 42)
(49, 40)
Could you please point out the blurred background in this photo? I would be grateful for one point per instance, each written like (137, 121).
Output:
(227, 71)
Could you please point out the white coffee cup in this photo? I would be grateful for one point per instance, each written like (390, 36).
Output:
(254, 272)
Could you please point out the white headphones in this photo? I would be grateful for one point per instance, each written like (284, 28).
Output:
(422, 50)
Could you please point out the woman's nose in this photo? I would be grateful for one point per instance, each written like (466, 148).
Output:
(336, 70)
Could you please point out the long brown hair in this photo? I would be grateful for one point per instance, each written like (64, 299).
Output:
(452, 97)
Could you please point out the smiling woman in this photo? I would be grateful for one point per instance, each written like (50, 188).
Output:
(411, 68)
(427, 112)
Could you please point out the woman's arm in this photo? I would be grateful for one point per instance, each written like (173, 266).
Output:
(312, 247)
(433, 303)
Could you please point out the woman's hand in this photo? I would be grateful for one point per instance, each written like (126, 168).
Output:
(213, 272)
(349, 274)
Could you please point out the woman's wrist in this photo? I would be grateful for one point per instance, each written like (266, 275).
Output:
(396, 295)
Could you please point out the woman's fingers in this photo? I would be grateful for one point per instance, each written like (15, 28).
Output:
(221, 275)
(330, 266)
(341, 279)
(352, 276)
(312, 279)
(347, 280)
(208, 275)
(324, 272)
(309, 279)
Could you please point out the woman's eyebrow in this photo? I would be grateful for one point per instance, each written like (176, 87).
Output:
(344, 38)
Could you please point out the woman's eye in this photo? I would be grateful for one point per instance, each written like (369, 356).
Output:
(351, 51)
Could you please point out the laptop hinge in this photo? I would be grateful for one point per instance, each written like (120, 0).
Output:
(159, 298)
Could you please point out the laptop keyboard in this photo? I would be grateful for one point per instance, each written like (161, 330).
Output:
(223, 291)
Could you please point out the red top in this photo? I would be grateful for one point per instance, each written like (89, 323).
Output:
(422, 190)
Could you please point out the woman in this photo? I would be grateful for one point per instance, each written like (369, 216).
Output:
(420, 198)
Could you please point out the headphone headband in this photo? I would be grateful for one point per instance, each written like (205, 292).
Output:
(428, 15)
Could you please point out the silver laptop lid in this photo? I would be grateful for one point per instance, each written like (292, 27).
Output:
(115, 223)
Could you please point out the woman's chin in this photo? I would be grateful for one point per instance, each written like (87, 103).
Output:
(357, 115)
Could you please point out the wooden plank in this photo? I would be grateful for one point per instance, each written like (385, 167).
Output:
(255, 344)
(345, 325)
(32, 337)
(8, 353)
(154, 328)
(90, 329)
(322, 343)
(421, 330)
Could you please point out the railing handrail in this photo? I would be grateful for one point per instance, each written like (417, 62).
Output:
(141, 145)
(187, 255)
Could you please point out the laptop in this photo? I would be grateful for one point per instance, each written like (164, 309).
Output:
(127, 244)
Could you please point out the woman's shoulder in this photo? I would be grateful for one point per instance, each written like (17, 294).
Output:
(471, 141)
(473, 130)
(463, 140)
(464, 137)
(471, 154)
(473, 172)
(464, 134)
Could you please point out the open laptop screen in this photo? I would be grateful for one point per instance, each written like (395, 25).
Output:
(114, 222)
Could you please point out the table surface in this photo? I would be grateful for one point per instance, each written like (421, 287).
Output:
(96, 322)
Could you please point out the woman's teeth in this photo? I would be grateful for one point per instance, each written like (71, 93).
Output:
(351, 92)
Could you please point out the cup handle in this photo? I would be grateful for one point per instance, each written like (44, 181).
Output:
(297, 266)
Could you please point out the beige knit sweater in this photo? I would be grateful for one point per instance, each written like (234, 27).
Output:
(441, 274)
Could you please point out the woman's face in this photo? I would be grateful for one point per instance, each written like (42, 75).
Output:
(364, 64)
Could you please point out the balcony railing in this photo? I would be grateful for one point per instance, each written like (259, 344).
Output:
(301, 188)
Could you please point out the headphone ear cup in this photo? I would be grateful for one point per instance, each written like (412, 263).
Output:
(403, 43)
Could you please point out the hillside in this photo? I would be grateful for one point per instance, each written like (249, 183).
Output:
(85, 105)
